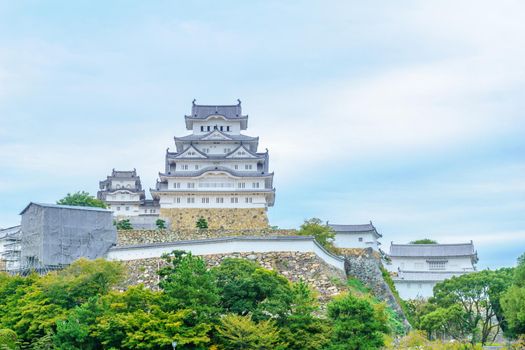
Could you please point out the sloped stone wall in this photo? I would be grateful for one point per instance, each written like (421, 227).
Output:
(365, 265)
(135, 237)
(217, 218)
(324, 279)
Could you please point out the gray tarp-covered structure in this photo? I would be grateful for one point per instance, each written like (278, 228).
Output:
(53, 236)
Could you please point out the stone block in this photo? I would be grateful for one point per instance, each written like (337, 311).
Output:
(217, 218)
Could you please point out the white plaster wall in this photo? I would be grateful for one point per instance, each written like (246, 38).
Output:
(414, 290)
(170, 201)
(125, 209)
(227, 246)
(420, 264)
(235, 126)
(122, 196)
(198, 164)
(210, 183)
(351, 240)
(116, 184)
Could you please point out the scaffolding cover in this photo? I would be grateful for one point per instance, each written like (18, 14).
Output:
(55, 235)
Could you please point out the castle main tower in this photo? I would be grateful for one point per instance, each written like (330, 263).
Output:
(216, 173)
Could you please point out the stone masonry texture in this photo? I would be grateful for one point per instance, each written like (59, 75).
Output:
(217, 218)
(136, 237)
(324, 279)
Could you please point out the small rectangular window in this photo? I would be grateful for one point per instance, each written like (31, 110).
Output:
(227, 128)
(219, 200)
(222, 128)
(234, 200)
(202, 127)
(360, 239)
(209, 128)
(248, 199)
(236, 167)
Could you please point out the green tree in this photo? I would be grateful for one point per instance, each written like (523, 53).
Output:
(135, 320)
(241, 332)
(513, 302)
(124, 225)
(161, 224)
(201, 223)
(355, 324)
(246, 288)
(188, 284)
(302, 329)
(322, 233)
(83, 199)
(8, 340)
(478, 295)
(424, 241)
(445, 322)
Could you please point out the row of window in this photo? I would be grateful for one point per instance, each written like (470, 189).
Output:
(146, 211)
(215, 184)
(215, 127)
(218, 200)
(196, 167)
(127, 186)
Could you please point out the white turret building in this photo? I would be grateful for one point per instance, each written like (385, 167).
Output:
(216, 172)
(356, 236)
(416, 268)
(123, 194)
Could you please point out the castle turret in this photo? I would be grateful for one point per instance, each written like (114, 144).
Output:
(122, 192)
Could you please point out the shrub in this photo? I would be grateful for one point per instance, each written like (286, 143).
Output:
(202, 223)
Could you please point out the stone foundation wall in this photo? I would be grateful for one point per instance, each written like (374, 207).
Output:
(324, 279)
(365, 265)
(136, 237)
(217, 218)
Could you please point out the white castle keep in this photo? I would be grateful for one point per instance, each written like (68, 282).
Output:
(216, 166)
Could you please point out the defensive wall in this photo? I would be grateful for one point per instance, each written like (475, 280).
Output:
(296, 257)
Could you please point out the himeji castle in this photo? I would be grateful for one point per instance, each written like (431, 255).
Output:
(216, 172)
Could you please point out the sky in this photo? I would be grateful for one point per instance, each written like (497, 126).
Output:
(408, 113)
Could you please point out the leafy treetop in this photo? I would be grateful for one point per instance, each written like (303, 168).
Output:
(424, 241)
(81, 199)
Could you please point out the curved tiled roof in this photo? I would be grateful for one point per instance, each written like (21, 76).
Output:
(432, 250)
(355, 228)
(217, 168)
(200, 137)
(352, 228)
(227, 111)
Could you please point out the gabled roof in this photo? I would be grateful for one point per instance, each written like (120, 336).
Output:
(247, 153)
(432, 250)
(58, 206)
(124, 173)
(209, 137)
(227, 111)
(355, 228)
(199, 154)
(216, 168)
